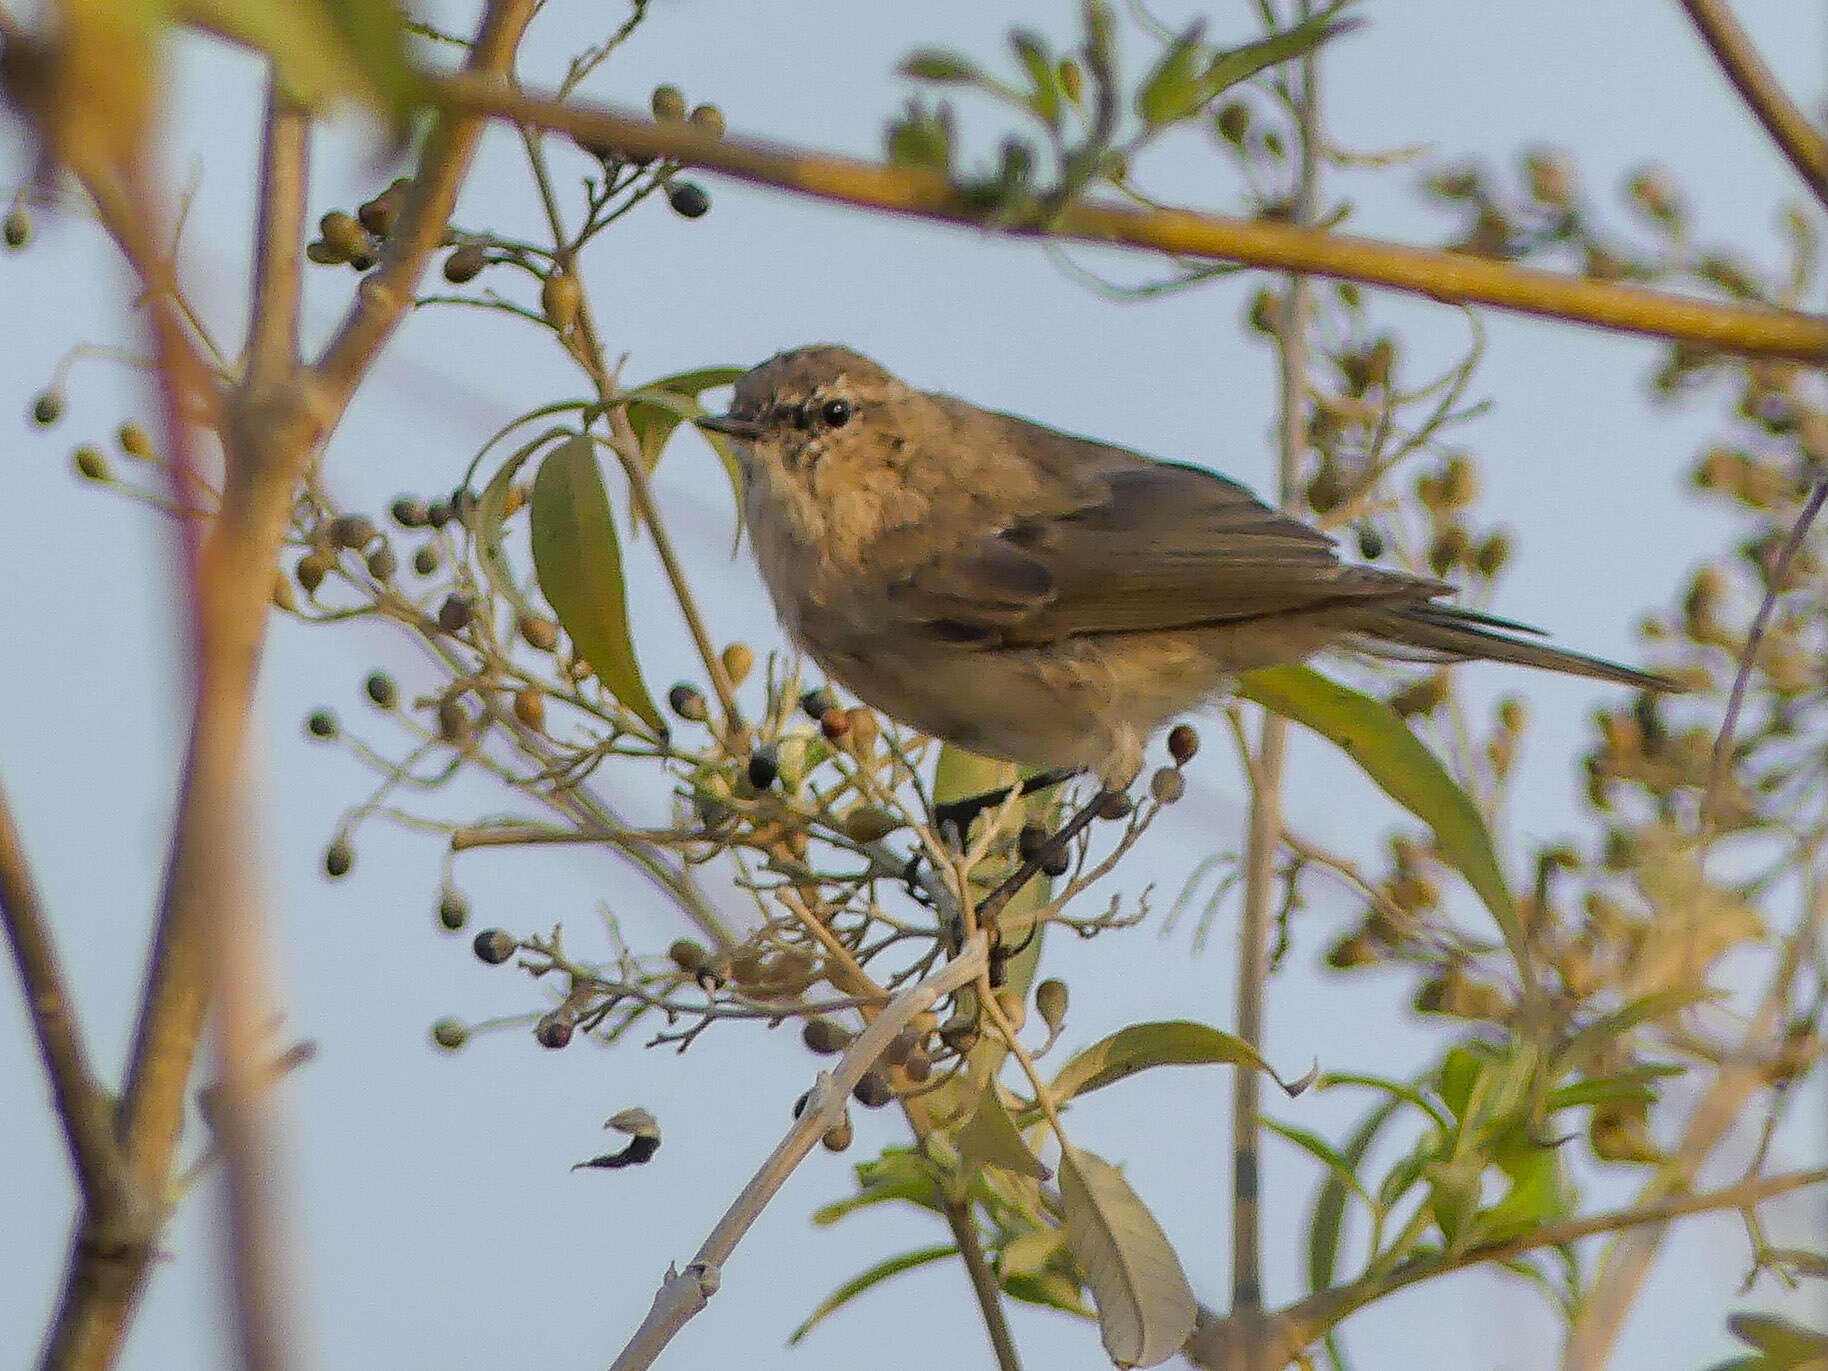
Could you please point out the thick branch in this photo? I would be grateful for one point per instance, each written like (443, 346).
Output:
(1447, 276)
(387, 291)
(1789, 127)
(278, 258)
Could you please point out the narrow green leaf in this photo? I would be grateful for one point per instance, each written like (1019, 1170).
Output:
(321, 50)
(1175, 1042)
(936, 64)
(1397, 1090)
(1375, 736)
(1043, 74)
(1146, 1308)
(1328, 1223)
(875, 1276)
(1786, 1343)
(1536, 1194)
(1634, 1083)
(1242, 63)
(580, 571)
(488, 526)
(1585, 1047)
(1321, 1151)
(656, 409)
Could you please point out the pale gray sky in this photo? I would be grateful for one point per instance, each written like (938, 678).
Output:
(438, 1223)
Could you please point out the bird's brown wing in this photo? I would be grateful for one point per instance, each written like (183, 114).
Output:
(1118, 543)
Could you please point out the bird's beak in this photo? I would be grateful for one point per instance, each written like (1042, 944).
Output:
(730, 424)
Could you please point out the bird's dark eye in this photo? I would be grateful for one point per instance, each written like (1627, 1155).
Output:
(836, 413)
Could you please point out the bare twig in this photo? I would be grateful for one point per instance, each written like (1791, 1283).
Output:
(82, 1104)
(684, 1293)
(1789, 127)
(984, 1286)
(1775, 576)
(1262, 839)
(1446, 276)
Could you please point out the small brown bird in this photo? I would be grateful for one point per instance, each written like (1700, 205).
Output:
(1044, 598)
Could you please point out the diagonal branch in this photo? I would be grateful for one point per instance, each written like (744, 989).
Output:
(1789, 127)
(1447, 276)
(82, 1103)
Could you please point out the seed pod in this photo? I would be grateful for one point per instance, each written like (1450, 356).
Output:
(688, 702)
(450, 1034)
(555, 1029)
(465, 263)
(427, 559)
(408, 512)
(381, 689)
(1183, 743)
(1167, 785)
(90, 464)
(47, 409)
(320, 253)
(825, 1037)
(453, 908)
(348, 239)
(18, 230)
(283, 598)
(494, 946)
(869, 823)
(530, 708)
(816, 704)
(688, 955)
(338, 858)
(311, 570)
(453, 720)
(708, 119)
(863, 730)
(1114, 805)
(872, 1090)
(764, 767)
(1050, 1003)
(321, 723)
(455, 613)
(739, 661)
(437, 515)
(380, 214)
(1072, 80)
(562, 300)
(838, 1137)
(352, 531)
(1232, 122)
(134, 442)
(688, 199)
(542, 635)
(383, 562)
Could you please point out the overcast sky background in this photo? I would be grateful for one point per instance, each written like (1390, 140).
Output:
(438, 1224)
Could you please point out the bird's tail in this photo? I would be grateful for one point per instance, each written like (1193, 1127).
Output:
(1445, 633)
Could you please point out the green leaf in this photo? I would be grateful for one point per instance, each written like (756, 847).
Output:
(1170, 91)
(580, 571)
(1330, 1205)
(322, 50)
(875, 1276)
(1375, 736)
(1585, 1047)
(1242, 63)
(1028, 1254)
(1043, 74)
(1632, 1083)
(1176, 1042)
(1785, 1344)
(1050, 1290)
(1453, 1198)
(1536, 1194)
(1397, 1090)
(656, 409)
(488, 526)
(1146, 1308)
(1321, 1151)
(937, 64)
(899, 1174)
(990, 1138)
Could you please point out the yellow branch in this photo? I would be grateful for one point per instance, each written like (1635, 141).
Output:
(926, 194)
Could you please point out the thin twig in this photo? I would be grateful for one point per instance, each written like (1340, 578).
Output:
(272, 351)
(82, 1104)
(1775, 576)
(684, 1293)
(1263, 837)
(1789, 127)
(984, 1287)
(1446, 276)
